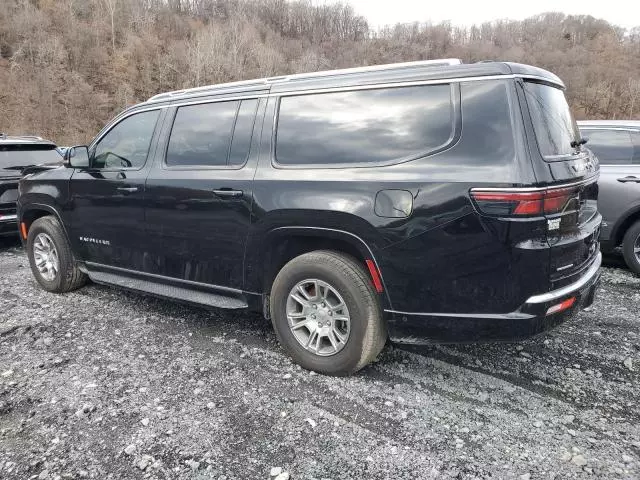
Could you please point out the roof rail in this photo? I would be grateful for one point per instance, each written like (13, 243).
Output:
(327, 73)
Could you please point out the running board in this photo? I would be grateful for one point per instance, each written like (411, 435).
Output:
(168, 291)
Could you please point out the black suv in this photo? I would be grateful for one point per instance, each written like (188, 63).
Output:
(435, 201)
(18, 155)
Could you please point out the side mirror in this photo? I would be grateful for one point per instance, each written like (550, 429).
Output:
(77, 157)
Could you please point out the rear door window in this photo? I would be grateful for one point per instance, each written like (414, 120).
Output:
(212, 134)
(612, 147)
(364, 126)
(553, 122)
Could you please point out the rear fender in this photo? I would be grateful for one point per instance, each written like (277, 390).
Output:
(255, 257)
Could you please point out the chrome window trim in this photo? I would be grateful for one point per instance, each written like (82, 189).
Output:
(372, 86)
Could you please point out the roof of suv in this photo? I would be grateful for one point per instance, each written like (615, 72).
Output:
(24, 140)
(609, 123)
(443, 69)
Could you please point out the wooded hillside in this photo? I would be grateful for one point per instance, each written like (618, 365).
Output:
(67, 66)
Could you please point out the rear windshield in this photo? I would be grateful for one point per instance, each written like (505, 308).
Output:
(553, 123)
(16, 157)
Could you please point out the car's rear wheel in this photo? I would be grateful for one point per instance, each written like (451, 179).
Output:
(326, 313)
(631, 247)
(50, 257)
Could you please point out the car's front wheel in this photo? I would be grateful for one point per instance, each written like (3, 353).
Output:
(326, 313)
(631, 247)
(50, 257)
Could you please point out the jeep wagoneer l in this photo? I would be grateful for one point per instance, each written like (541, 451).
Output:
(425, 202)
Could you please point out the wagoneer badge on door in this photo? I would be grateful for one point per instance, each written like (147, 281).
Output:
(95, 240)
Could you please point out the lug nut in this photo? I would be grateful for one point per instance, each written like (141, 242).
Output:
(330, 314)
(313, 316)
(315, 306)
(323, 305)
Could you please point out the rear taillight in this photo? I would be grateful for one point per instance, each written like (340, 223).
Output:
(521, 203)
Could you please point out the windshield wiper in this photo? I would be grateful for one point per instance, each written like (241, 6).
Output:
(577, 143)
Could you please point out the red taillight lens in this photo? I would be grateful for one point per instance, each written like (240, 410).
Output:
(557, 199)
(518, 203)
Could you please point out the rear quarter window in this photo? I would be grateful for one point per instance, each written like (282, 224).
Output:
(552, 120)
(372, 126)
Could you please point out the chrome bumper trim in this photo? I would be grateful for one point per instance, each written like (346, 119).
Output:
(561, 292)
(8, 218)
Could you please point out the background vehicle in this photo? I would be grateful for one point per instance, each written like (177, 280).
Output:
(616, 143)
(17, 154)
(435, 200)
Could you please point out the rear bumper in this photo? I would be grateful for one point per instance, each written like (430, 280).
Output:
(529, 320)
(8, 225)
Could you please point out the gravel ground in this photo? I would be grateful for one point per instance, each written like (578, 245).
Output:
(106, 384)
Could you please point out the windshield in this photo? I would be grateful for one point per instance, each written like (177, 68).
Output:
(13, 157)
(553, 123)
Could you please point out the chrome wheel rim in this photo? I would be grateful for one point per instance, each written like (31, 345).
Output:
(45, 256)
(636, 248)
(318, 317)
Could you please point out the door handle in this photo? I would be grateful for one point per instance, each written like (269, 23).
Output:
(227, 193)
(630, 178)
(127, 189)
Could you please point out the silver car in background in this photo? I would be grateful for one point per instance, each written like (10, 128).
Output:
(616, 143)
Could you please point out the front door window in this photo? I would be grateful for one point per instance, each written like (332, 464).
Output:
(127, 144)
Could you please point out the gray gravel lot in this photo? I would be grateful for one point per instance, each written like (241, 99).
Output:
(102, 383)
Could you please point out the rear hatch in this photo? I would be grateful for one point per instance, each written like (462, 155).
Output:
(569, 174)
(15, 158)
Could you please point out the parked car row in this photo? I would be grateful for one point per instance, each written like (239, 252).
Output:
(428, 201)
(19, 155)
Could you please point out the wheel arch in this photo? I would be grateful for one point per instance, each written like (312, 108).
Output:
(33, 211)
(282, 244)
(622, 225)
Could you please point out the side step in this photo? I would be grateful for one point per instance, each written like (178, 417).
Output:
(168, 291)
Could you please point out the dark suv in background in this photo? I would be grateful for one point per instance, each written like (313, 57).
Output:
(435, 201)
(616, 143)
(17, 155)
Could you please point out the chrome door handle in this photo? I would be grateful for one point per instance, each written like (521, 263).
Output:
(127, 189)
(227, 193)
(630, 178)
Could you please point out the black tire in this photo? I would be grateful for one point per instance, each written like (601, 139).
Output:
(631, 241)
(69, 277)
(368, 330)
